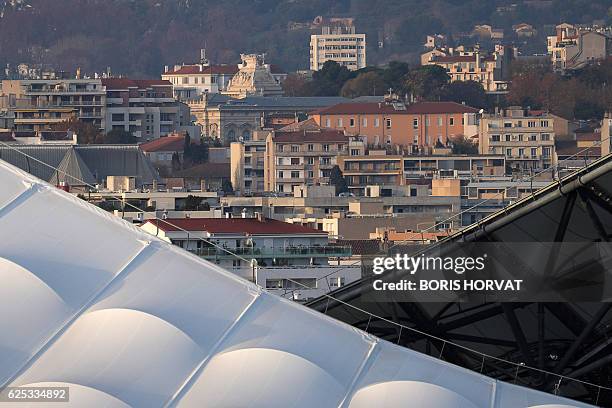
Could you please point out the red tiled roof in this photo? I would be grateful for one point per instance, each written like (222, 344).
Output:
(588, 137)
(244, 226)
(302, 136)
(206, 171)
(439, 107)
(358, 108)
(164, 144)
(383, 108)
(124, 83)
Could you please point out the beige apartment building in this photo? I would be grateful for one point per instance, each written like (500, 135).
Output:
(40, 103)
(572, 47)
(304, 157)
(340, 43)
(374, 168)
(489, 70)
(606, 134)
(247, 163)
(526, 138)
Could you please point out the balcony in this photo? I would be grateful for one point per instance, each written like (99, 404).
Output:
(285, 252)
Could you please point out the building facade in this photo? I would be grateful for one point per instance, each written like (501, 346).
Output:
(145, 108)
(304, 157)
(526, 138)
(419, 126)
(573, 47)
(247, 164)
(338, 43)
(44, 102)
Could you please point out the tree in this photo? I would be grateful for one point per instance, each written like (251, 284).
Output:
(394, 76)
(329, 80)
(176, 162)
(427, 82)
(226, 186)
(461, 145)
(336, 178)
(471, 93)
(117, 136)
(193, 203)
(86, 132)
(367, 83)
(294, 85)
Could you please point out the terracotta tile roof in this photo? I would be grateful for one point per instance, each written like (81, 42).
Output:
(387, 109)
(439, 107)
(164, 144)
(364, 246)
(124, 83)
(588, 137)
(317, 136)
(570, 148)
(242, 226)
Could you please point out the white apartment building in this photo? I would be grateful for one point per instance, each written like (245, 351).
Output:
(526, 138)
(340, 44)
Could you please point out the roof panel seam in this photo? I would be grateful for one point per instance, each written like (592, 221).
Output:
(190, 380)
(92, 301)
(21, 198)
(363, 369)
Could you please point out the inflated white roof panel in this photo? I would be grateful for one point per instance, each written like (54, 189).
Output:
(124, 319)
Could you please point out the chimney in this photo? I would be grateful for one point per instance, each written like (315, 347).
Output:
(165, 68)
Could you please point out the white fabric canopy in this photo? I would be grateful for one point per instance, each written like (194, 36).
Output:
(90, 302)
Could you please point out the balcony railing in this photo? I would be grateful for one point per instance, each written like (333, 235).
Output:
(284, 252)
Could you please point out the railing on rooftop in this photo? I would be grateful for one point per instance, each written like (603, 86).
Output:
(284, 252)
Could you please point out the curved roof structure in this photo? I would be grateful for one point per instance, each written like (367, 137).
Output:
(567, 338)
(93, 303)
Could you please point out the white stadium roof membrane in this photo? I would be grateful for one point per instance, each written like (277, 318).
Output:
(91, 302)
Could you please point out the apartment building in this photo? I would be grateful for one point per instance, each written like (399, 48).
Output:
(490, 70)
(526, 138)
(146, 108)
(606, 134)
(247, 164)
(340, 43)
(573, 47)
(454, 166)
(40, 103)
(375, 168)
(304, 157)
(190, 81)
(420, 126)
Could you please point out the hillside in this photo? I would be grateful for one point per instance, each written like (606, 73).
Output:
(139, 37)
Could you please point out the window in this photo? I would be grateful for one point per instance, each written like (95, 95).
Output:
(310, 147)
(279, 148)
(274, 283)
(546, 152)
(451, 121)
(354, 152)
(310, 174)
(495, 138)
(531, 123)
(533, 137)
(295, 174)
(508, 124)
(388, 123)
(295, 148)
(281, 174)
(300, 283)
(295, 161)
(534, 152)
(336, 282)
(326, 148)
(339, 122)
(521, 152)
(415, 123)
(325, 160)
(439, 120)
(118, 117)
(310, 160)
(508, 138)
(509, 152)
(520, 138)
(376, 122)
(544, 123)
(327, 123)
(352, 122)
(545, 137)
(364, 122)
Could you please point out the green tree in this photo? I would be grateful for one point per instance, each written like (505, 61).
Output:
(86, 132)
(367, 83)
(193, 203)
(461, 145)
(226, 186)
(394, 76)
(117, 136)
(336, 178)
(426, 82)
(329, 80)
(469, 92)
